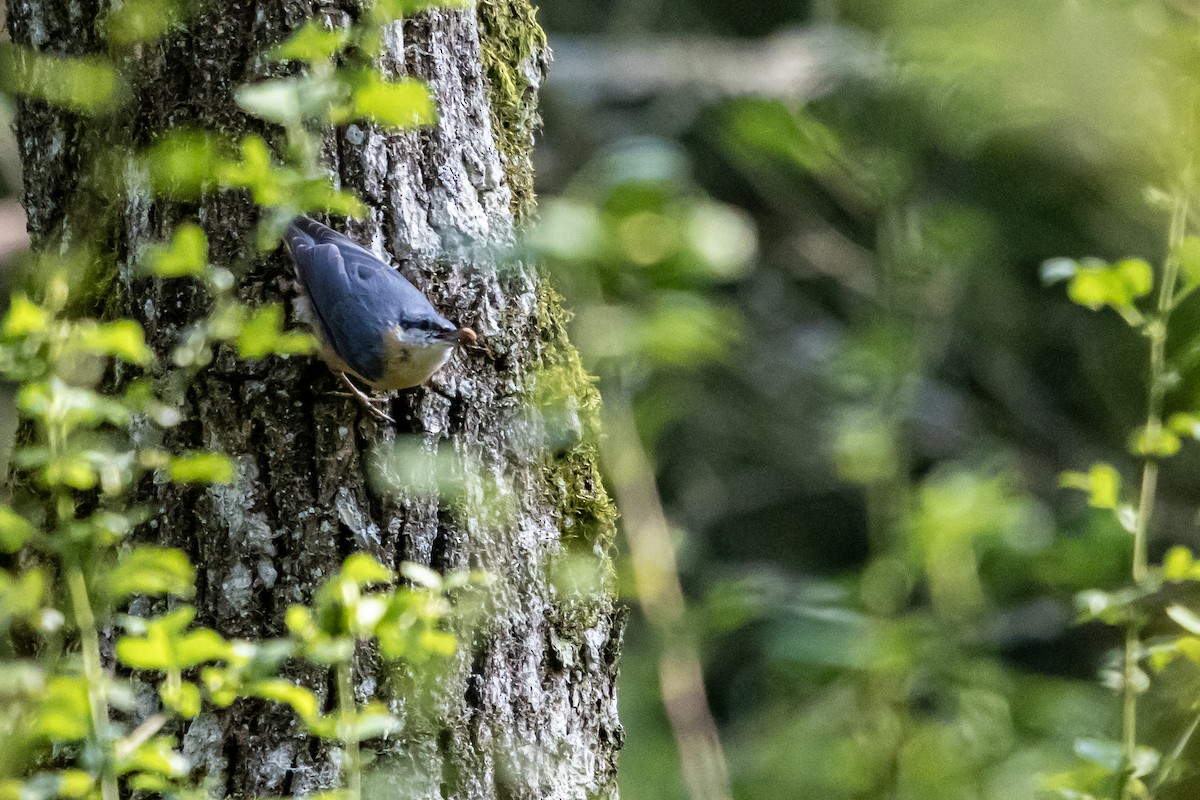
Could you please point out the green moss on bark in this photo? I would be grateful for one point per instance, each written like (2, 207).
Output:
(514, 52)
(569, 400)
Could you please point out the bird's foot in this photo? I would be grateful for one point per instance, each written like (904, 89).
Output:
(367, 402)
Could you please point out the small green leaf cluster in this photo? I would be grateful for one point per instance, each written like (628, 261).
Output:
(1125, 287)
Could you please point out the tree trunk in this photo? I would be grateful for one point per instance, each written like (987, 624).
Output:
(529, 710)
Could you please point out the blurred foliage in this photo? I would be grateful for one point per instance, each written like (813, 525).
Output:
(860, 450)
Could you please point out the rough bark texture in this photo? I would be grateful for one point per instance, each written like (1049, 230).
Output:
(529, 710)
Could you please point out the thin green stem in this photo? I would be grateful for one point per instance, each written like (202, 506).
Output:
(351, 764)
(1156, 330)
(93, 671)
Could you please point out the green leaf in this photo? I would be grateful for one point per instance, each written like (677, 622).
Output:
(1106, 754)
(1185, 618)
(290, 101)
(15, 530)
(312, 43)
(24, 317)
(165, 646)
(183, 698)
(263, 335)
(320, 195)
(1189, 648)
(123, 338)
(1114, 608)
(257, 172)
(69, 406)
(155, 757)
(87, 84)
(301, 700)
(1096, 287)
(200, 646)
(421, 575)
(136, 21)
(183, 163)
(1102, 482)
(22, 594)
(201, 468)
(152, 571)
(1152, 442)
(364, 570)
(63, 712)
(1189, 259)
(70, 783)
(368, 723)
(1180, 565)
(1137, 275)
(395, 104)
(185, 256)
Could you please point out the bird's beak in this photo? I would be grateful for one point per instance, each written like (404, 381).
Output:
(459, 337)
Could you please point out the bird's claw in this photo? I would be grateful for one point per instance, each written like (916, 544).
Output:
(363, 398)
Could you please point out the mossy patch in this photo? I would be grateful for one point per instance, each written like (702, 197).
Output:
(514, 51)
(567, 396)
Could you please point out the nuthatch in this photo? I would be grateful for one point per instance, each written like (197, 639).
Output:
(370, 322)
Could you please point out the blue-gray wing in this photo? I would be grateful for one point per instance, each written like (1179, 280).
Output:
(356, 297)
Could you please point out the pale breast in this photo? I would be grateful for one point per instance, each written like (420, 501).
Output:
(408, 363)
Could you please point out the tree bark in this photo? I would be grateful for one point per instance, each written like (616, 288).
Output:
(529, 710)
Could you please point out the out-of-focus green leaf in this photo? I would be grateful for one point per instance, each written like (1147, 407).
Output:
(1180, 565)
(123, 338)
(257, 172)
(290, 101)
(363, 570)
(301, 700)
(63, 712)
(1137, 275)
(22, 594)
(15, 530)
(263, 335)
(370, 722)
(1189, 259)
(396, 104)
(69, 783)
(183, 163)
(156, 757)
(165, 645)
(87, 84)
(152, 571)
(1096, 287)
(24, 317)
(69, 406)
(383, 10)
(312, 43)
(1154, 443)
(185, 256)
(1186, 618)
(133, 21)
(182, 697)
(1102, 483)
(421, 575)
(201, 468)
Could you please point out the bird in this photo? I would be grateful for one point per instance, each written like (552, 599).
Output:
(369, 321)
